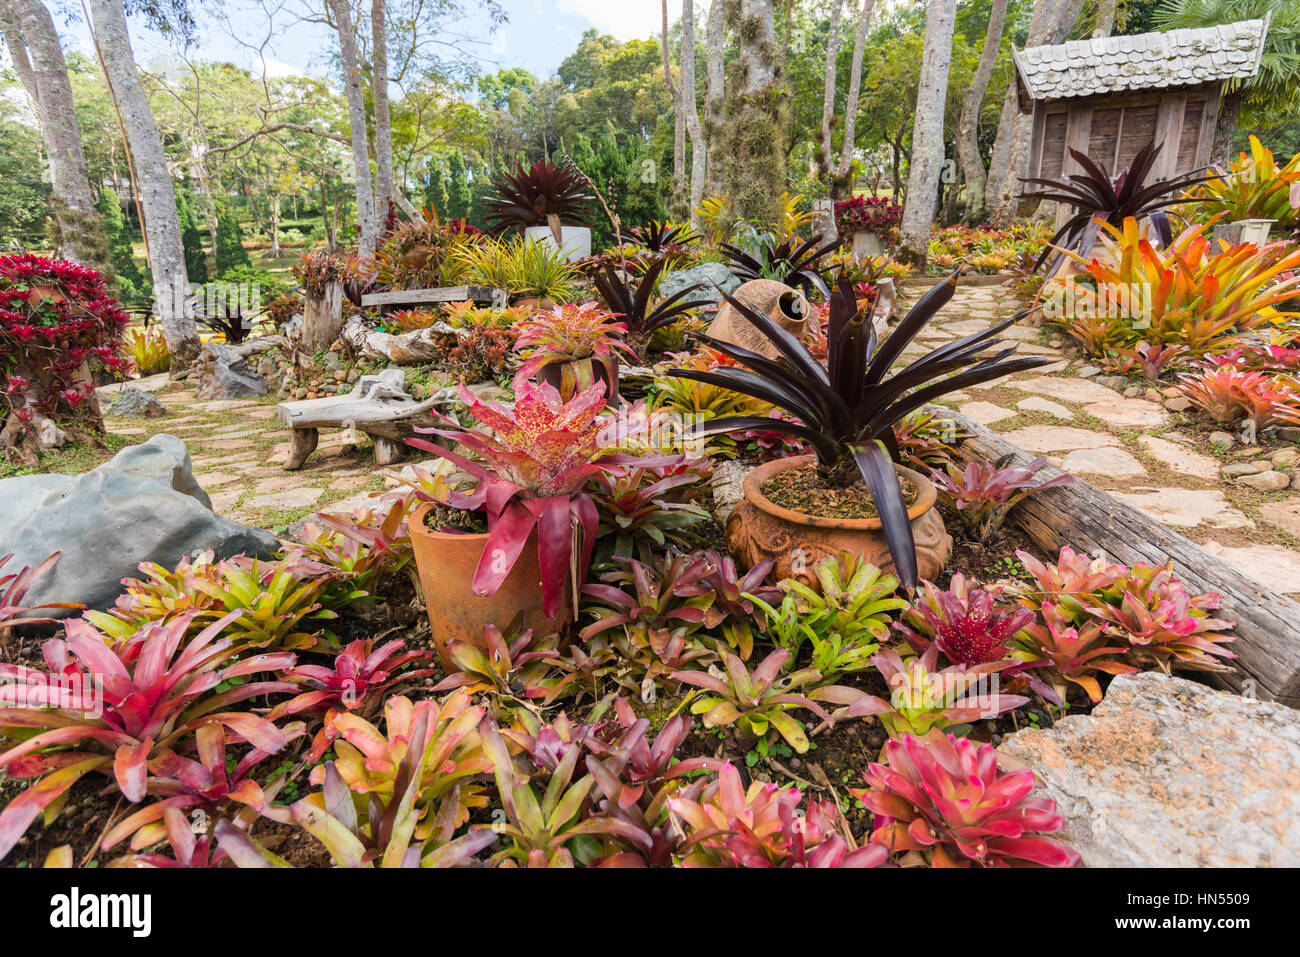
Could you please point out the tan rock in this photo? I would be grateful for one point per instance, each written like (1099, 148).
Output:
(1181, 460)
(1110, 461)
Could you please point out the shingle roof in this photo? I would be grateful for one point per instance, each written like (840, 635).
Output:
(1142, 62)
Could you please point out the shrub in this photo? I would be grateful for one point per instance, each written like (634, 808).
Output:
(1254, 186)
(58, 326)
(876, 214)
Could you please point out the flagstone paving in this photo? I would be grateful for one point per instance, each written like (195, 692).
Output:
(1155, 458)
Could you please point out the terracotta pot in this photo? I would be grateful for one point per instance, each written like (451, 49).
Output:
(563, 375)
(446, 563)
(534, 304)
(759, 529)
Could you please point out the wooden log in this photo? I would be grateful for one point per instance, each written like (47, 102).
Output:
(1089, 520)
(409, 348)
(322, 318)
(423, 297)
(302, 443)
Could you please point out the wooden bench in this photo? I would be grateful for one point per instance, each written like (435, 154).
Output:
(440, 294)
(378, 406)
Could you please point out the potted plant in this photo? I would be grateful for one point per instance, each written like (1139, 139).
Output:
(869, 220)
(539, 276)
(573, 347)
(847, 496)
(538, 200)
(529, 500)
(1249, 197)
(631, 303)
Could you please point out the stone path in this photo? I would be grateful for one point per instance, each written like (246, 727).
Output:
(1142, 444)
(238, 448)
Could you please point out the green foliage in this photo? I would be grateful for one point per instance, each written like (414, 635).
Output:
(230, 251)
(196, 259)
(131, 281)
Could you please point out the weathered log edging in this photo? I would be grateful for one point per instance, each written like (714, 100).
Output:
(1087, 519)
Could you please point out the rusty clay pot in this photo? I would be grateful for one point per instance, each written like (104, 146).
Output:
(446, 563)
(758, 529)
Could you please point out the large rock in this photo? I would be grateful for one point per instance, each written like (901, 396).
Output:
(142, 506)
(133, 403)
(707, 275)
(1169, 773)
(225, 373)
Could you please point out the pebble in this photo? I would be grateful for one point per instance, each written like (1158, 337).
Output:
(1222, 439)
(1266, 481)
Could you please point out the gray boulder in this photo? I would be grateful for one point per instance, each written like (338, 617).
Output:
(142, 506)
(133, 403)
(706, 274)
(1166, 772)
(224, 373)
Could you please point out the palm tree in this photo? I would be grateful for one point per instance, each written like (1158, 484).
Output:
(1274, 92)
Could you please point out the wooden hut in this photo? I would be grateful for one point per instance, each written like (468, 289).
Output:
(1109, 97)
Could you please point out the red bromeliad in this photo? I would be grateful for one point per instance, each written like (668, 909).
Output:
(945, 798)
(531, 477)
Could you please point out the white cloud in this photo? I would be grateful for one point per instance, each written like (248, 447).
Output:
(625, 19)
(277, 68)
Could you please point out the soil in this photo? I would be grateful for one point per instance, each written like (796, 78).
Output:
(806, 490)
(441, 518)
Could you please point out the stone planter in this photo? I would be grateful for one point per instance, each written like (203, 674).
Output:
(1255, 230)
(575, 241)
(867, 243)
(758, 529)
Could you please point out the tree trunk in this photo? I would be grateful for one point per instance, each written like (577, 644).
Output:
(715, 94)
(275, 225)
(322, 318)
(1105, 24)
(81, 236)
(384, 187)
(1226, 130)
(828, 94)
(157, 199)
(843, 184)
(699, 151)
(754, 130)
(12, 29)
(968, 150)
(927, 132)
(1051, 23)
(357, 122)
(679, 123)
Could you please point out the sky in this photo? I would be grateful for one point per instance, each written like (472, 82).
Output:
(539, 34)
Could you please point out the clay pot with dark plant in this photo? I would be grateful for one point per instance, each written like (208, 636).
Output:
(846, 410)
(541, 523)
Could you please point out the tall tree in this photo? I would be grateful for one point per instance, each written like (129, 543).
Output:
(38, 59)
(383, 114)
(828, 94)
(715, 44)
(1051, 22)
(968, 151)
(342, 14)
(157, 199)
(754, 128)
(699, 151)
(844, 175)
(679, 120)
(927, 132)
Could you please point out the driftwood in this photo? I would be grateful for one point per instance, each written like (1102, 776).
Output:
(377, 406)
(429, 297)
(408, 348)
(1088, 519)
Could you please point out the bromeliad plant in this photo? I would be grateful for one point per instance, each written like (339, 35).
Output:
(1146, 606)
(1227, 394)
(843, 620)
(945, 801)
(1098, 200)
(982, 494)
(632, 304)
(13, 592)
(577, 339)
(729, 825)
(648, 507)
(1253, 186)
(544, 195)
(1074, 654)
(923, 696)
(120, 707)
(530, 476)
(847, 408)
(757, 702)
(787, 261)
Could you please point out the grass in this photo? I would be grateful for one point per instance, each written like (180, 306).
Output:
(71, 459)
